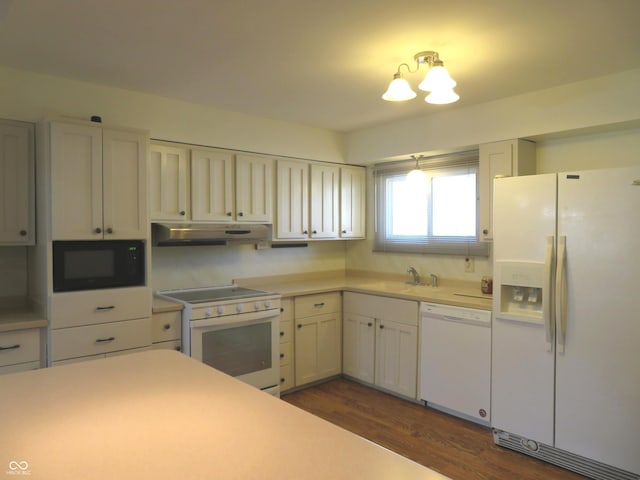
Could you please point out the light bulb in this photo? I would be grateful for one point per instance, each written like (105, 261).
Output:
(399, 90)
(442, 96)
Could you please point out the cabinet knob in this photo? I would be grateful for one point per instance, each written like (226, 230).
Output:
(314, 232)
(109, 230)
(228, 214)
(23, 233)
(166, 327)
(281, 309)
(98, 230)
(282, 334)
(282, 380)
(240, 214)
(183, 213)
(299, 325)
(381, 327)
(282, 355)
(306, 232)
(369, 324)
(344, 231)
(485, 231)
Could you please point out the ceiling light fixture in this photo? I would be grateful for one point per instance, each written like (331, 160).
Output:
(437, 81)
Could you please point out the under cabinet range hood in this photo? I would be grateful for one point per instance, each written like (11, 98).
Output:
(183, 234)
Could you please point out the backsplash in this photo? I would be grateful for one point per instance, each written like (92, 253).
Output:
(13, 272)
(201, 266)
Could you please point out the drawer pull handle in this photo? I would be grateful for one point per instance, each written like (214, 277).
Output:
(103, 309)
(105, 340)
(318, 305)
(12, 347)
(166, 327)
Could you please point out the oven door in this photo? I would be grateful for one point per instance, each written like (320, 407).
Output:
(245, 346)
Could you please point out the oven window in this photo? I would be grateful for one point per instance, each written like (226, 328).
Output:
(239, 350)
(80, 264)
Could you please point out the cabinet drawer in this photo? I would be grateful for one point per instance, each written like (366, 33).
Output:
(102, 338)
(286, 309)
(286, 331)
(20, 367)
(286, 353)
(19, 346)
(166, 326)
(286, 377)
(74, 309)
(171, 345)
(308, 305)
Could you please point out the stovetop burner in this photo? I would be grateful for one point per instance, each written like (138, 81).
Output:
(213, 294)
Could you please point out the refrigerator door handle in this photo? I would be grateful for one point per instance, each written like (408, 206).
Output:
(547, 304)
(561, 292)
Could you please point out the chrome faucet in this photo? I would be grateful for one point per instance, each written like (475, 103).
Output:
(434, 280)
(415, 276)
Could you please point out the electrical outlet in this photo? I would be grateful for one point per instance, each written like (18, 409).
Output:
(468, 264)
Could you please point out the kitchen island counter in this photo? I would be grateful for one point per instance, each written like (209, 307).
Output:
(161, 415)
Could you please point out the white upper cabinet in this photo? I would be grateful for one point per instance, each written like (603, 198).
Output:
(17, 183)
(215, 186)
(212, 186)
(352, 202)
(254, 189)
(292, 211)
(325, 201)
(168, 183)
(98, 183)
(509, 158)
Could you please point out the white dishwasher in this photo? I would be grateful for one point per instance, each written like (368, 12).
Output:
(455, 360)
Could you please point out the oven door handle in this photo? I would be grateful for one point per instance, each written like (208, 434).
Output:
(238, 318)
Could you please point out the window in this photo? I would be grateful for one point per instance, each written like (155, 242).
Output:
(436, 212)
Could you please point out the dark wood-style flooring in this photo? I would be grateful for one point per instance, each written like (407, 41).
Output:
(456, 448)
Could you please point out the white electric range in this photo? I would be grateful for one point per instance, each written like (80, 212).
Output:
(233, 329)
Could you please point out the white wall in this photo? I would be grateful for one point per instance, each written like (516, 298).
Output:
(30, 97)
(603, 101)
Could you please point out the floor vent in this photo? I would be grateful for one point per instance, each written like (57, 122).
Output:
(576, 463)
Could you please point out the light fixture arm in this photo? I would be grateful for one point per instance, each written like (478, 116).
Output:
(429, 57)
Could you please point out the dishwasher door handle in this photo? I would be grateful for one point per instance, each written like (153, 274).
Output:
(466, 321)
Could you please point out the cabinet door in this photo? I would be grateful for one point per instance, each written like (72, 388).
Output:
(168, 183)
(254, 189)
(501, 159)
(397, 357)
(292, 182)
(124, 183)
(359, 347)
(352, 202)
(212, 187)
(325, 198)
(318, 347)
(76, 182)
(17, 185)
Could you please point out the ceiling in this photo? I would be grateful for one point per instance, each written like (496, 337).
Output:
(322, 63)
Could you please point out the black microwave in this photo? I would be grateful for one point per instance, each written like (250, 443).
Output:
(90, 265)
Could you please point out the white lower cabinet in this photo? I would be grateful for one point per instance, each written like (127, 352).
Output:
(381, 342)
(96, 323)
(166, 330)
(287, 359)
(19, 350)
(318, 337)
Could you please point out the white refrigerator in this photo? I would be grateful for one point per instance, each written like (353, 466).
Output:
(565, 367)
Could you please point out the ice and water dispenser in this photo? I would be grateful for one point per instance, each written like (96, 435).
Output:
(520, 290)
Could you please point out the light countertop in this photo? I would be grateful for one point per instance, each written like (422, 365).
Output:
(161, 415)
(458, 293)
(20, 319)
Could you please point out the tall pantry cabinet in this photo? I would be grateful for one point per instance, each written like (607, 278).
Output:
(91, 186)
